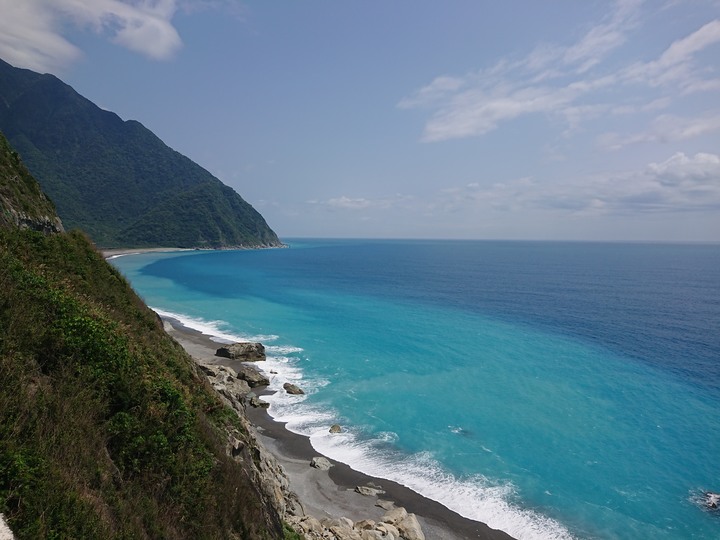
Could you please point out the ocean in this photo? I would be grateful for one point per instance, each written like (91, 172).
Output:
(550, 390)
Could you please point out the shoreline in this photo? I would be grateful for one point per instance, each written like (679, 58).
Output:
(331, 494)
(112, 253)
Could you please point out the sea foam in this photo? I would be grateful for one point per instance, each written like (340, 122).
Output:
(477, 498)
(215, 330)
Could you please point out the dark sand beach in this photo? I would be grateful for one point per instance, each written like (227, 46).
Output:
(332, 493)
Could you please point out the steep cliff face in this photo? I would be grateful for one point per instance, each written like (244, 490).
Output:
(107, 429)
(22, 202)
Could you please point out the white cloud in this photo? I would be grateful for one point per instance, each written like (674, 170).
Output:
(665, 128)
(360, 203)
(676, 66)
(603, 38)
(680, 169)
(28, 37)
(31, 31)
(679, 184)
(354, 204)
(562, 81)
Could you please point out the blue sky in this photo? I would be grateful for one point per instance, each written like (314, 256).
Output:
(592, 120)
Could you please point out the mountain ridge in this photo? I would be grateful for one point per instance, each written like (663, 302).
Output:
(113, 178)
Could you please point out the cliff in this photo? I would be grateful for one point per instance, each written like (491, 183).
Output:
(22, 202)
(107, 430)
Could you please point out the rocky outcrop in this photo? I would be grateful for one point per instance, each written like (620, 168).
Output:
(273, 483)
(5, 532)
(320, 463)
(23, 205)
(245, 351)
(252, 376)
(397, 524)
(293, 389)
(22, 220)
(242, 444)
(368, 491)
(335, 428)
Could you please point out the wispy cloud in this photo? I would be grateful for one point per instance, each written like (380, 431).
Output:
(681, 183)
(677, 66)
(32, 32)
(360, 203)
(565, 81)
(665, 128)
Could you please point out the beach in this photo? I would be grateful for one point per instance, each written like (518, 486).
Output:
(331, 494)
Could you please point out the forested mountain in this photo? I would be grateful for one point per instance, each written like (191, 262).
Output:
(115, 179)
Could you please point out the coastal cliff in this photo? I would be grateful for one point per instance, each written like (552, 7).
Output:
(107, 429)
(22, 202)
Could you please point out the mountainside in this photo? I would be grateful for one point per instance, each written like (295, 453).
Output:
(115, 179)
(107, 430)
(22, 202)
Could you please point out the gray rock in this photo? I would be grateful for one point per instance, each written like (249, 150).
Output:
(291, 388)
(385, 505)
(395, 515)
(335, 428)
(209, 371)
(310, 524)
(368, 491)
(258, 403)
(252, 376)
(365, 524)
(388, 530)
(320, 463)
(344, 533)
(409, 528)
(244, 351)
(341, 522)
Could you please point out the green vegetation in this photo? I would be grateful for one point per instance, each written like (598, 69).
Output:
(106, 429)
(20, 194)
(116, 180)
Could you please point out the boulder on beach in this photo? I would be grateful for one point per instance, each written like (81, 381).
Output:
(368, 491)
(244, 351)
(252, 376)
(291, 388)
(258, 403)
(320, 463)
(335, 428)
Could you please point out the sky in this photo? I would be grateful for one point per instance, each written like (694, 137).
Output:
(554, 120)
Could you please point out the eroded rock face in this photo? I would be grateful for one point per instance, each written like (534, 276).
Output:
(243, 351)
(242, 444)
(273, 484)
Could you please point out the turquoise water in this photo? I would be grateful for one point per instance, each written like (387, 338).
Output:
(551, 390)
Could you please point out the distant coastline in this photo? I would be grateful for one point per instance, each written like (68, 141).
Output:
(112, 253)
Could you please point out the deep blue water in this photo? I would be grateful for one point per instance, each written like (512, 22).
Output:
(552, 390)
